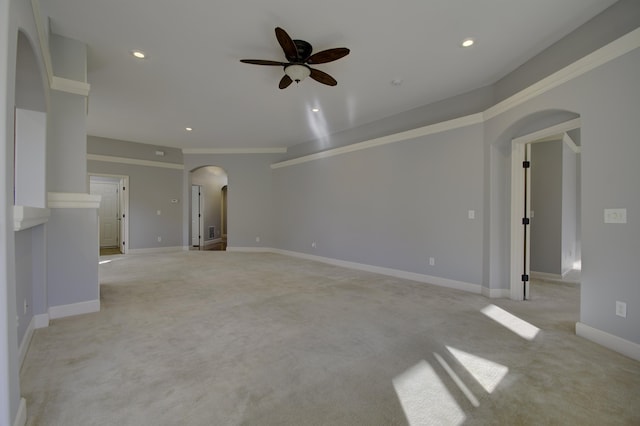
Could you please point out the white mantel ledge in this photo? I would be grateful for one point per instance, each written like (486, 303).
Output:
(25, 217)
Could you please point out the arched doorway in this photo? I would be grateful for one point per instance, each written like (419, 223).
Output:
(207, 208)
(520, 246)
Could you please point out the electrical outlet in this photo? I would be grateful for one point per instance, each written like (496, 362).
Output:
(158, 212)
(432, 261)
(159, 239)
(472, 214)
(313, 244)
(257, 239)
(621, 309)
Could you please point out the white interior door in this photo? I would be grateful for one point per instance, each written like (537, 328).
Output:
(109, 212)
(195, 215)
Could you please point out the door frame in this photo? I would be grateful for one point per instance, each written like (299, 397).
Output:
(200, 217)
(519, 147)
(123, 229)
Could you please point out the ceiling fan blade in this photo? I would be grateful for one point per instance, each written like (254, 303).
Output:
(287, 44)
(328, 55)
(285, 82)
(322, 77)
(262, 62)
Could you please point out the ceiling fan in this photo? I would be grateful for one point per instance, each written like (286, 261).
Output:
(298, 53)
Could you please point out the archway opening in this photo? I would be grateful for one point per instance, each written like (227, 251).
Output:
(208, 208)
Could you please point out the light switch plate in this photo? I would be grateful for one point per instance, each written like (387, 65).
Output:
(615, 215)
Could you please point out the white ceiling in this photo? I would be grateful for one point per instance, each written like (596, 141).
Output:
(192, 75)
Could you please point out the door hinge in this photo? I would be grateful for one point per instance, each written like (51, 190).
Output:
(526, 164)
(525, 221)
(123, 243)
(123, 188)
(525, 278)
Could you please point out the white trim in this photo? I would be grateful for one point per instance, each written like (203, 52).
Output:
(70, 86)
(385, 140)
(427, 279)
(273, 150)
(135, 161)
(42, 38)
(615, 343)
(73, 200)
(496, 293)
(73, 309)
(41, 321)
(25, 217)
(26, 340)
(21, 415)
(153, 250)
(613, 50)
(540, 135)
(571, 144)
(251, 249)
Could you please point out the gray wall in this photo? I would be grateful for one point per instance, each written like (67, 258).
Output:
(546, 203)
(392, 206)
(24, 279)
(150, 189)
(607, 99)
(250, 203)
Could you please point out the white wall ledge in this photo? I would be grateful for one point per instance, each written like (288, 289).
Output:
(25, 217)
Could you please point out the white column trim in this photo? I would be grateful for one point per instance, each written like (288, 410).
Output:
(25, 217)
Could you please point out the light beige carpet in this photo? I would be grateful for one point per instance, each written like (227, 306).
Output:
(223, 338)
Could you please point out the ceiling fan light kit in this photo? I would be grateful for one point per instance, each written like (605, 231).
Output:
(298, 53)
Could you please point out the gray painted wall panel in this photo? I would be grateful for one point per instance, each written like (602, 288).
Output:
(139, 151)
(66, 144)
(24, 279)
(72, 256)
(392, 206)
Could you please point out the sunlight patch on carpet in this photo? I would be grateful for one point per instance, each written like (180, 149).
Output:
(425, 399)
(488, 373)
(457, 380)
(520, 327)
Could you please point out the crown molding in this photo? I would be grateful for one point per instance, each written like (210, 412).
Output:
(134, 161)
(385, 140)
(73, 200)
(25, 217)
(274, 150)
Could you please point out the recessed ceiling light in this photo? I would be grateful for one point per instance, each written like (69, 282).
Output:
(138, 54)
(467, 42)
(315, 109)
(188, 129)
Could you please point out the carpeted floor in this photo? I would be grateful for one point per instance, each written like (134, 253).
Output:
(224, 338)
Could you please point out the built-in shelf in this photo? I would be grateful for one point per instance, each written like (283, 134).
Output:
(25, 217)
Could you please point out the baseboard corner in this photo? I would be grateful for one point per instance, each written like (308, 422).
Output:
(608, 340)
(73, 309)
(21, 415)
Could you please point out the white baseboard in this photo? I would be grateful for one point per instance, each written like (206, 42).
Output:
(613, 342)
(153, 250)
(41, 321)
(252, 249)
(496, 293)
(428, 279)
(212, 242)
(21, 415)
(26, 340)
(63, 311)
